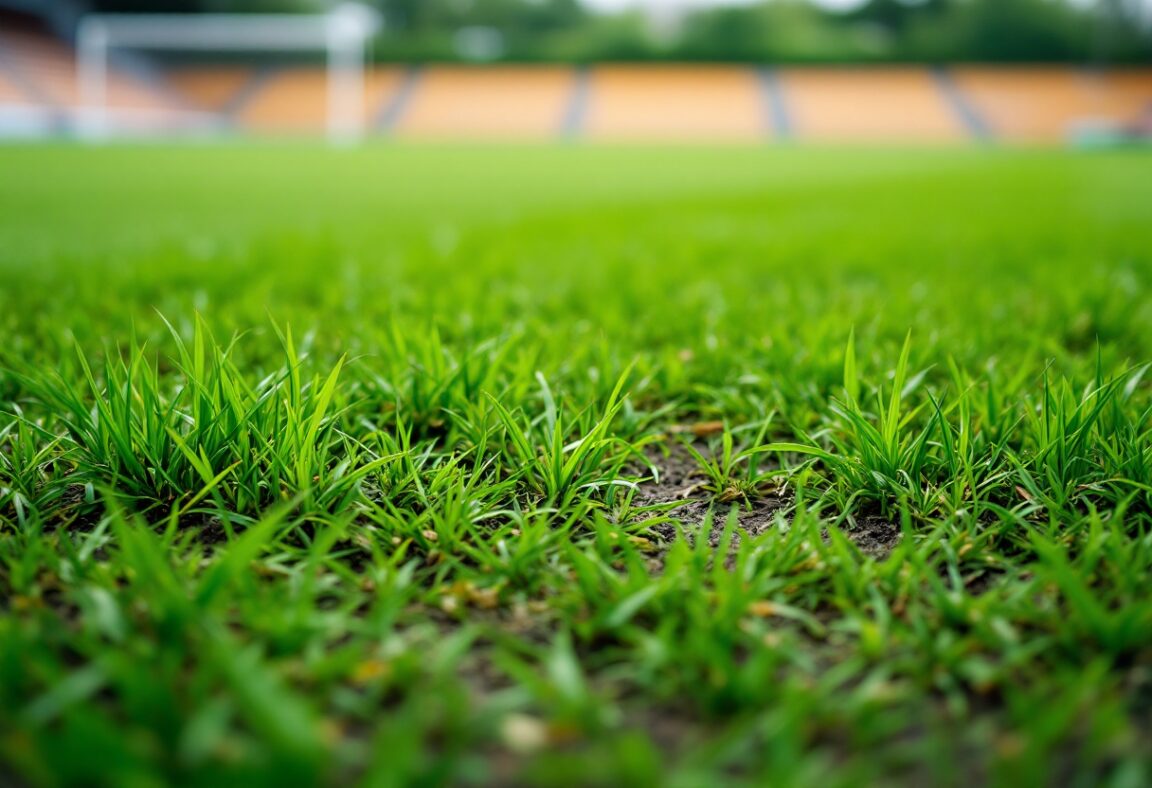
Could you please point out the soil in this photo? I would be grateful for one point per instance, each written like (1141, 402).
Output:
(875, 537)
(680, 480)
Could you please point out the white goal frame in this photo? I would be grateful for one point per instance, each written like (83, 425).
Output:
(344, 34)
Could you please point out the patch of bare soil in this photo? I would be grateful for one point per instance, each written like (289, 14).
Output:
(680, 481)
(875, 537)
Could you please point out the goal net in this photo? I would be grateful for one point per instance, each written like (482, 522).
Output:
(343, 34)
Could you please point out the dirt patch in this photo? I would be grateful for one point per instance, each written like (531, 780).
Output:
(681, 482)
(681, 485)
(875, 537)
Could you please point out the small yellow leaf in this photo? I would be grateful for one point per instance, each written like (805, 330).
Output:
(524, 734)
(369, 670)
(763, 608)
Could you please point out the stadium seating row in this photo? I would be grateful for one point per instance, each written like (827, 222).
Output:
(42, 70)
(614, 102)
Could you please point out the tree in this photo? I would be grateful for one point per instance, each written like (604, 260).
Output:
(1019, 30)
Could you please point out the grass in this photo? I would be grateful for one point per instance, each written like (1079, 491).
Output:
(574, 465)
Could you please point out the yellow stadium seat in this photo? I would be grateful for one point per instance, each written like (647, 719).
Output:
(868, 105)
(675, 103)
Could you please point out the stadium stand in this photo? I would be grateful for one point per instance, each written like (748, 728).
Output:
(294, 100)
(10, 91)
(706, 103)
(1045, 104)
(213, 89)
(48, 66)
(1126, 91)
(513, 102)
(868, 104)
(675, 103)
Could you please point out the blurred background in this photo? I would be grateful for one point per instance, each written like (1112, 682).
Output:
(900, 71)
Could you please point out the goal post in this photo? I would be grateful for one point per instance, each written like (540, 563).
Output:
(343, 34)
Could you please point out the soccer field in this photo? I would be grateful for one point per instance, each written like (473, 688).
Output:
(421, 465)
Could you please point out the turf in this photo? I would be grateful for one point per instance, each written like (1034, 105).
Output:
(574, 465)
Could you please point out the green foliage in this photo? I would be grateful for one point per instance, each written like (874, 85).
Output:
(782, 31)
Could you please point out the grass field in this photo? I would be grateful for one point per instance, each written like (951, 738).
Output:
(575, 466)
